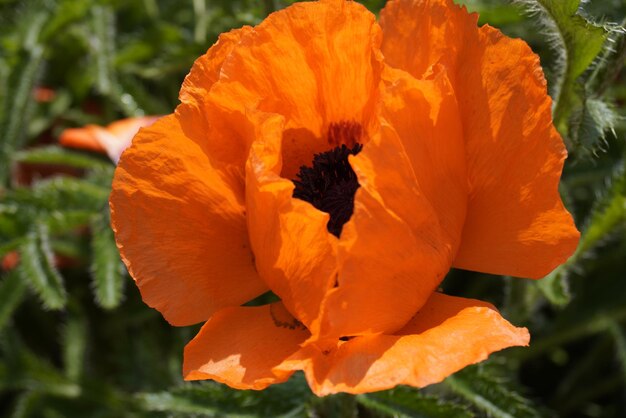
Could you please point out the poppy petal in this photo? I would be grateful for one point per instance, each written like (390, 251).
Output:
(206, 69)
(294, 252)
(119, 135)
(201, 121)
(244, 347)
(392, 253)
(180, 229)
(82, 138)
(424, 113)
(420, 33)
(516, 223)
(112, 140)
(447, 334)
(315, 63)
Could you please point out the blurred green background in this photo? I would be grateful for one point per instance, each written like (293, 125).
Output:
(75, 338)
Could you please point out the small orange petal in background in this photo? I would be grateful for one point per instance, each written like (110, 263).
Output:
(112, 139)
(82, 138)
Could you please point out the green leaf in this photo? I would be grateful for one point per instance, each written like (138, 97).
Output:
(37, 267)
(590, 123)
(103, 53)
(583, 40)
(12, 292)
(28, 405)
(617, 332)
(521, 298)
(61, 193)
(577, 42)
(66, 221)
(57, 155)
(608, 67)
(489, 391)
(555, 287)
(563, 334)
(67, 12)
(215, 400)
(16, 110)
(338, 405)
(178, 403)
(74, 344)
(607, 215)
(103, 21)
(22, 369)
(106, 267)
(404, 402)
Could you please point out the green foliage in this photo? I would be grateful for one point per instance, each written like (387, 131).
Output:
(106, 267)
(555, 286)
(12, 292)
(620, 344)
(213, 400)
(488, 389)
(59, 156)
(403, 402)
(17, 106)
(74, 346)
(37, 268)
(608, 215)
(583, 49)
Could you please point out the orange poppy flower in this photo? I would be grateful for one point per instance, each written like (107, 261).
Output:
(111, 140)
(346, 166)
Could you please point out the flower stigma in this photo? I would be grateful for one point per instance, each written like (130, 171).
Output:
(330, 183)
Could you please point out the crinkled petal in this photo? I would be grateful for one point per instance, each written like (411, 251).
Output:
(418, 34)
(294, 252)
(201, 122)
(315, 63)
(392, 254)
(447, 334)
(244, 347)
(206, 69)
(180, 229)
(516, 223)
(425, 115)
(204, 124)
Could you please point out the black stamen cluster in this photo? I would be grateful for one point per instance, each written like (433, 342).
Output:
(330, 185)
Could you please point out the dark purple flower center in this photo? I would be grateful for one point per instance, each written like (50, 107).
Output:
(330, 185)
